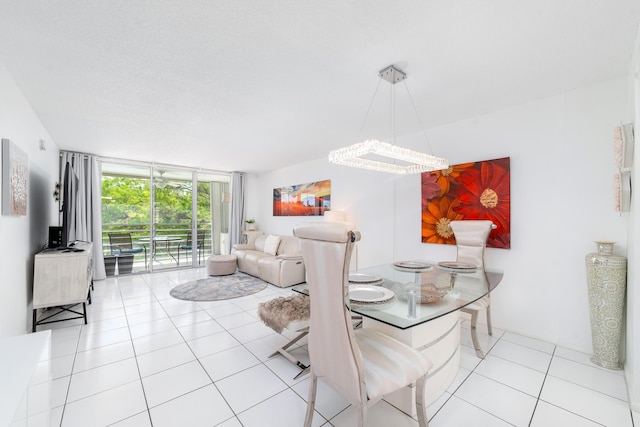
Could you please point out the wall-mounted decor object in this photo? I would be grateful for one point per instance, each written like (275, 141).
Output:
(623, 142)
(15, 177)
(476, 190)
(302, 200)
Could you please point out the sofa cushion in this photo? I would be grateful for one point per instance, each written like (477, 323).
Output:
(289, 245)
(259, 242)
(271, 244)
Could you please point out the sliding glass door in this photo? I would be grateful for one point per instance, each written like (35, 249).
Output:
(213, 213)
(174, 218)
(126, 214)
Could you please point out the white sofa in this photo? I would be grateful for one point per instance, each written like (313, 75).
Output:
(274, 259)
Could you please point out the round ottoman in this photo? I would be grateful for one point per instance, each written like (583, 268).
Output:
(221, 265)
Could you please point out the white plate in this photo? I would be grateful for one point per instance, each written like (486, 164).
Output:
(414, 265)
(363, 278)
(368, 293)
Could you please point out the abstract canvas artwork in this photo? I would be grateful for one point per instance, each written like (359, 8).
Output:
(302, 200)
(476, 190)
(15, 176)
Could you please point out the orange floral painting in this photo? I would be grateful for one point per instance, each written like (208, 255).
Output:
(477, 190)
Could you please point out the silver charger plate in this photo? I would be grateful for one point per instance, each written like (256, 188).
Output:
(454, 265)
(362, 278)
(412, 265)
(369, 294)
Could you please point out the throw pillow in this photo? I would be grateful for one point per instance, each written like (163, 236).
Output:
(271, 244)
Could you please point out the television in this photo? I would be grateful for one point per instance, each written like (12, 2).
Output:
(69, 193)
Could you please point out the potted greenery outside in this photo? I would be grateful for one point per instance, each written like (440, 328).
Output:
(251, 224)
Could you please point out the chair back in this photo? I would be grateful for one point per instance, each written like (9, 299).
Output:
(120, 241)
(333, 352)
(471, 239)
(199, 236)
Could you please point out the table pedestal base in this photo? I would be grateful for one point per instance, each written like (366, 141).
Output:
(439, 340)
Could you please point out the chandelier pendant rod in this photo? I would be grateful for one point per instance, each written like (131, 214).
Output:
(415, 110)
(392, 114)
(366, 116)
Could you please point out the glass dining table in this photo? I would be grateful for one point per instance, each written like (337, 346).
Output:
(164, 241)
(419, 304)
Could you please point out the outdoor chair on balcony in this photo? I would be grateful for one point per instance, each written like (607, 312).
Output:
(121, 244)
(199, 246)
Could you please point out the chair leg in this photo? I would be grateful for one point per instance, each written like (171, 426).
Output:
(489, 327)
(311, 402)
(292, 342)
(474, 335)
(362, 414)
(283, 351)
(423, 420)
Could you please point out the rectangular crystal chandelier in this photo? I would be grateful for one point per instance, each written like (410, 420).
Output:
(417, 162)
(413, 161)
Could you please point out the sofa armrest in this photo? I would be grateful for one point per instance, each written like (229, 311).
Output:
(243, 246)
(289, 256)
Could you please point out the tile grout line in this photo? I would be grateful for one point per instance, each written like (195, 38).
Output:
(544, 380)
(135, 354)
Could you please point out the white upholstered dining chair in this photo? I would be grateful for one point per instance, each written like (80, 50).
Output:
(362, 365)
(290, 313)
(471, 240)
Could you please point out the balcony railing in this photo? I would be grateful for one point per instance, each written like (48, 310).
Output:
(160, 254)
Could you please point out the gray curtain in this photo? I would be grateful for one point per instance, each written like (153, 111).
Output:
(236, 219)
(86, 218)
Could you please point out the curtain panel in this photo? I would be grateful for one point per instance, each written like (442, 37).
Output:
(86, 218)
(236, 219)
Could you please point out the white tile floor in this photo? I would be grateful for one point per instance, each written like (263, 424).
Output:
(147, 359)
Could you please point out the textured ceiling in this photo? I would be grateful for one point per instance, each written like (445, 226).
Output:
(257, 85)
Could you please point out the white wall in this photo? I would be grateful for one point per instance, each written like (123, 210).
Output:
(562, 168)
(23, 236)
(632, 365)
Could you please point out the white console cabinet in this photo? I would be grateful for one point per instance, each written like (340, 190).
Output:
(62, 279)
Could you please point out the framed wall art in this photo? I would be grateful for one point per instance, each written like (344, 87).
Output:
(15, 177)
(476, 190)
(302, 200)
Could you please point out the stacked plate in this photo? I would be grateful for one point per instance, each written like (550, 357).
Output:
(365, 279)
(457, 266)
(414, 266)
(367, 294)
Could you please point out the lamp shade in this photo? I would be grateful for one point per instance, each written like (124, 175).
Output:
(335, 216)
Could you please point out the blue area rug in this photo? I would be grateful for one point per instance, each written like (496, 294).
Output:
(216, 288)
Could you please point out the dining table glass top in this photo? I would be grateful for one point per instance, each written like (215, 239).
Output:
(411, 293)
